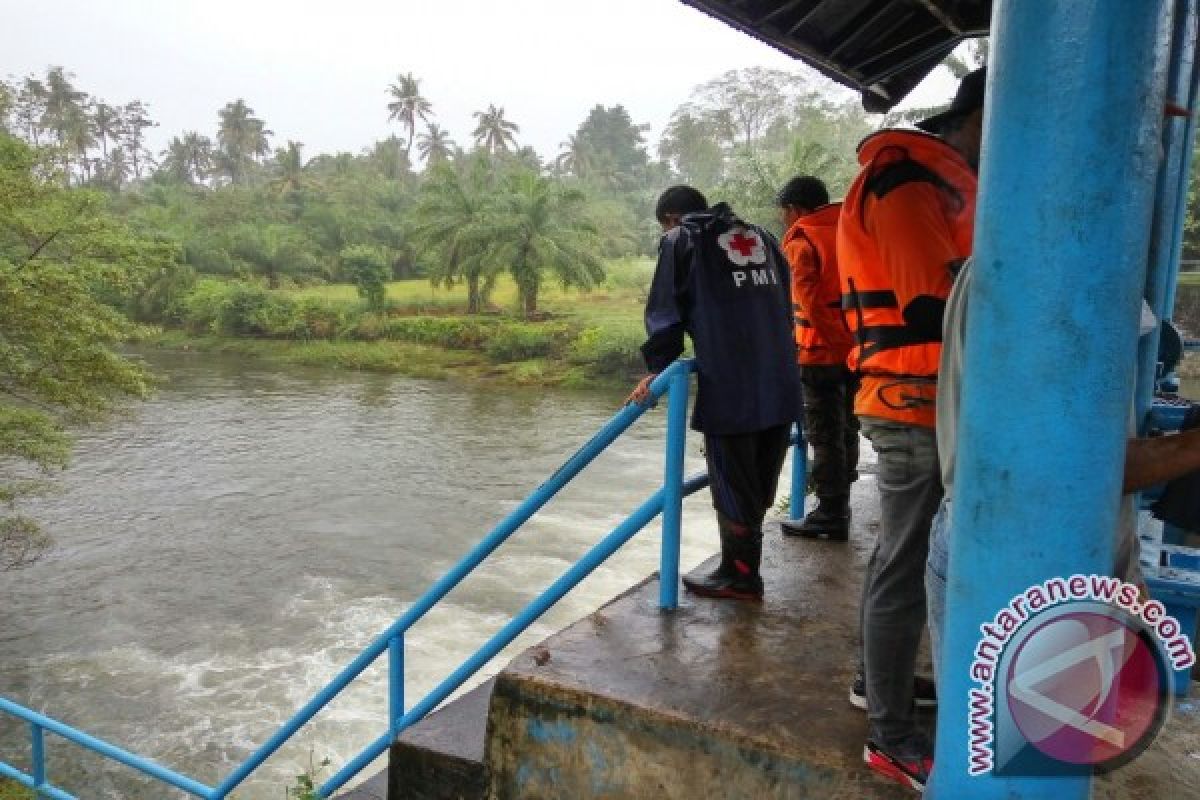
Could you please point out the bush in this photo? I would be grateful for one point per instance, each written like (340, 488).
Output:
(454, 332)
(522, 341)
(612, 352)
(369, 270)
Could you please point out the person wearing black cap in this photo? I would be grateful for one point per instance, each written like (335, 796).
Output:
(907, 224)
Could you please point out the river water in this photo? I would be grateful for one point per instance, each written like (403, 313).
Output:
(226, 547)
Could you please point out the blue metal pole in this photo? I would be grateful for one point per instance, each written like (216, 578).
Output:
(1070, 153)
(672, 515)
(799, 474)
(538, 498)
(1189, 148)
(395, 682)
(1163, 267)
(37, 741)
(107, 750)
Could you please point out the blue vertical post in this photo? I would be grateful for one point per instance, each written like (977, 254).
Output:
(395, 682)
(37, 738)
(1071, 149)
(1163, 267)
(799, 475)
(672, 513)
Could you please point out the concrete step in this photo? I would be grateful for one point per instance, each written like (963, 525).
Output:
(442, 756)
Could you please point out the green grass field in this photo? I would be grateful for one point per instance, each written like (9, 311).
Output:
(618, 300)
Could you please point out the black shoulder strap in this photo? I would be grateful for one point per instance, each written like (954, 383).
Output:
(898, 173)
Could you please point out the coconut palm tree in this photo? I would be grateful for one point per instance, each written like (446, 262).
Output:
(493, 132)
(435, 145)
(242, 138)
(537, 226)
(408, 106)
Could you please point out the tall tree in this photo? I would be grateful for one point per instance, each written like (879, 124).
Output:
(31, 108)
(288, 168)
(135, 122)
(610, 148)
(693, 147)
(107, 125)
(493, 132)
(58, 365)
(188, 158)
(435, 145)
(408, 106)
(242, 138)
(536, 226)
(64, 108)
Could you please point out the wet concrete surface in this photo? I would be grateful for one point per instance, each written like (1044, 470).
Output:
(728, 699)
(725, 699)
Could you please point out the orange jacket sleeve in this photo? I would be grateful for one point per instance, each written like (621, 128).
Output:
(916, 245)
(806, 282)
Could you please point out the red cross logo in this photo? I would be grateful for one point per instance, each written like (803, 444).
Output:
(743, 244)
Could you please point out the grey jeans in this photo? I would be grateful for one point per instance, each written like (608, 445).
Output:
(893, 604)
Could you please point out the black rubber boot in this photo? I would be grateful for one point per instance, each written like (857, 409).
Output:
(737, 577)
(829, 520)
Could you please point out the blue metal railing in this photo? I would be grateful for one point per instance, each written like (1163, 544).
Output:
(674, 382)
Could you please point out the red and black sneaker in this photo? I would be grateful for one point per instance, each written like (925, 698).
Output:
(907, 763)
(739, 583)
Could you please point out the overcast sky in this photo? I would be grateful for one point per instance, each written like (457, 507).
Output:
(318, 72)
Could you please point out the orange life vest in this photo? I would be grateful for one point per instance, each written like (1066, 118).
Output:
(810, 244)
(907, 224)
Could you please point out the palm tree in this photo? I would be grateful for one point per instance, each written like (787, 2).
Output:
(188, 159)
(577, 157)
(31, 108)
(389, 157)
(79, 138)
(408, 106)
(435, 145)
(106, 124)
(494, 133)
(536, 226)
(242, 138)
(449, 216)
(289, 167)
(117, 167)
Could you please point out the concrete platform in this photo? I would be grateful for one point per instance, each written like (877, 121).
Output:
(717, 700)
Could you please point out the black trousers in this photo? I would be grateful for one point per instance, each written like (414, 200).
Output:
(831, 428)
(743, 472)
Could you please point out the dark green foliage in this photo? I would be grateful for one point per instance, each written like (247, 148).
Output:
(368, 269)
(519, 342)
(612, 352)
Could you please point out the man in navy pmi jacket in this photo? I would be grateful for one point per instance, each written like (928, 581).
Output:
(726, 284)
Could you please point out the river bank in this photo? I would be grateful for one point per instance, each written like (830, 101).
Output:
(578, 339)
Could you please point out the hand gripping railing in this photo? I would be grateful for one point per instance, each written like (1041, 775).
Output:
(673, 382)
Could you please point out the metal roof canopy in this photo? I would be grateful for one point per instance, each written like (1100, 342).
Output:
(881, 48)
